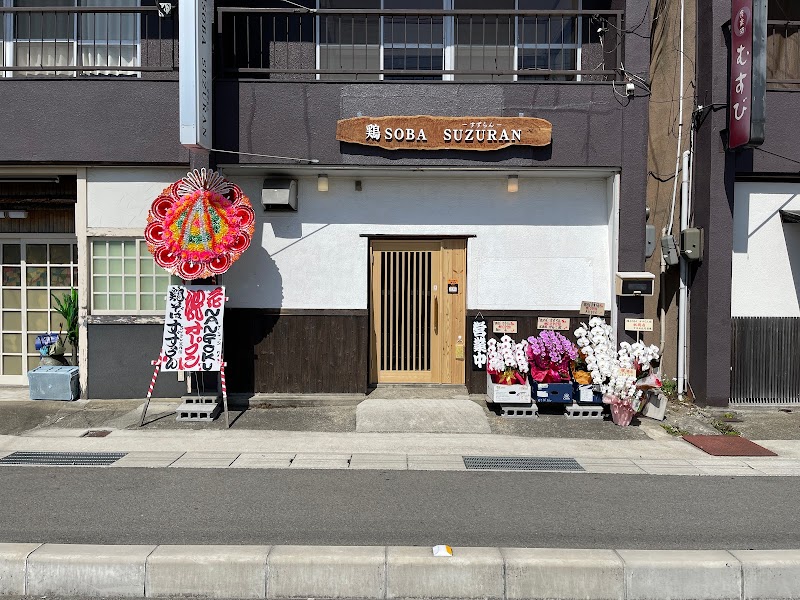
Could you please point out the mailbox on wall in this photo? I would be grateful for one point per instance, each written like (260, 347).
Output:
(635, 283)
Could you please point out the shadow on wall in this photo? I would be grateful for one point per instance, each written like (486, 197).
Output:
(243, 332)
(792, 233)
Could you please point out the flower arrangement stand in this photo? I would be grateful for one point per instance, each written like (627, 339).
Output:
(507, 394)
(519, 411)
(556, 393)
(577, 411)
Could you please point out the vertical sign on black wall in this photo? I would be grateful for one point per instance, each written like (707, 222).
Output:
(748, 69)
(479, 344)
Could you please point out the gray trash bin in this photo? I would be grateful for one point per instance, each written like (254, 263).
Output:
(54, 383)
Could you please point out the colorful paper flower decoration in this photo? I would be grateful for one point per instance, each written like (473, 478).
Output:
(199, 225)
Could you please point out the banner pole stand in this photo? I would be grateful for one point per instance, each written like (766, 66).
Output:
(224, 392)
(157, 364)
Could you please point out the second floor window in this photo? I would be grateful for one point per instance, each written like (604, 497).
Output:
(477, 44)
(69, 38)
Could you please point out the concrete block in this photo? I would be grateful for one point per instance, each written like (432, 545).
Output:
(681, 574)
(413, 572)
(327, 572)
(13, 558)
(563, 573)
(207, 571)
(84, 570)
(770, 574)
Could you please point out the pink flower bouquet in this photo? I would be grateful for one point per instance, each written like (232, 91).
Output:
(549, 357)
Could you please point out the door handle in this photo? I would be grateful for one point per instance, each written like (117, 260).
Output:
(436, 314)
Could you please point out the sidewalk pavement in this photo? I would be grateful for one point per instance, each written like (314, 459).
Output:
(326, 450)
(644, 450)
(380, 572)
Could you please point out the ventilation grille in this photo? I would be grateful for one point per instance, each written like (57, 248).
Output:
(66, 459)
(521, 463)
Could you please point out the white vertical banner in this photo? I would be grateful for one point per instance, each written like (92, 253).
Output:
(192, 338)
(194, 75)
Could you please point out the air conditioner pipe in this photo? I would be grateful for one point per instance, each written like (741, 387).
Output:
(683, 291)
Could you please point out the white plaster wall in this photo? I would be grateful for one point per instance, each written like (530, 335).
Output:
(544, 248)
(121, 197)
(766, 252)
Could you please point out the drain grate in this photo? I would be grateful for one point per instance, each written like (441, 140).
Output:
(67, 459)
(96, 433)
(521, 463)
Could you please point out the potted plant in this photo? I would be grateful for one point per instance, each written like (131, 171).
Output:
(507, 372)
(622, 375)
(67, 307)
(550, 356)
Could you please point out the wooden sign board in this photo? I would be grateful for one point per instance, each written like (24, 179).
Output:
(504, 326)
(424, 132)
(595, 309)
(638, 324)
(553, 323)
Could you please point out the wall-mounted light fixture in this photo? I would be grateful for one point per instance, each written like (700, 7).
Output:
(53, 179)
(513, 184)
(322, 183)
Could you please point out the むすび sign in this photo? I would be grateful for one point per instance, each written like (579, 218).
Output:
(193, 328)
(748, 67)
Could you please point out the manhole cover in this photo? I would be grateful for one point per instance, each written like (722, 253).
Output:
(521, 463)
(67, 459)
(96, 433)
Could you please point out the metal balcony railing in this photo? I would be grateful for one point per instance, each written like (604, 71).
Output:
(783, 54)
(87, 41)
(381, 45)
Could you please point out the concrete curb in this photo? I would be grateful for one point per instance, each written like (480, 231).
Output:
(384, 573)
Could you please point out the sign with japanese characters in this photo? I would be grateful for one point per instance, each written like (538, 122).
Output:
(638, 324)
(193, 328)
(478, 345)
(504, 327)
(552, 323)
(748, 68)
(595, 309)
(444, 133)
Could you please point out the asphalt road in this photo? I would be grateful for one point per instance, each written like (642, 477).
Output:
(242, 506)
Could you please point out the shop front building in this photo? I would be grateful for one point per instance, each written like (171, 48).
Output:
(744, 311)
(375, 248)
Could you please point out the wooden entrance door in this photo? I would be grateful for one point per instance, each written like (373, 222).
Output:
(416, 323)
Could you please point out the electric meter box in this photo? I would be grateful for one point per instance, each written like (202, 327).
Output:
(692, 243)
(635, 283)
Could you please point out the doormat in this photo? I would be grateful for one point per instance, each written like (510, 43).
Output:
(727, 445)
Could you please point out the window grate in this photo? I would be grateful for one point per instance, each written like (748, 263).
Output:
(521, 463)
(65, 459)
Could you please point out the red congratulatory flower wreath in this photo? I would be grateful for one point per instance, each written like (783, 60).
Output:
(199, 225)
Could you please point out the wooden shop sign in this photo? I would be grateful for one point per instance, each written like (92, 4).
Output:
(424, 132)
(552, 323)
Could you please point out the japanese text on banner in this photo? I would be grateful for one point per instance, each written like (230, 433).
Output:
(199, 329)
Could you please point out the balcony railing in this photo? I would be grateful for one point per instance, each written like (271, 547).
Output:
(381, 45)
(783, 54)
(87, 41)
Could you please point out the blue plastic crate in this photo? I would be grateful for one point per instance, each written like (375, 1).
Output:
(54, 383)
(584, 394)
(562, 393)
